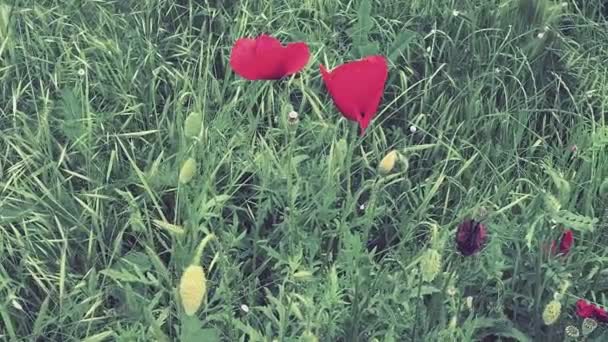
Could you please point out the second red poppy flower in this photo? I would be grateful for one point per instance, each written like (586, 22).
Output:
(356, 88)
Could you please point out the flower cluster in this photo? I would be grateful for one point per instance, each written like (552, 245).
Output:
(356, 87)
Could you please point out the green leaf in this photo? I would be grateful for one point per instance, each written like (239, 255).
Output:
(72, 114)
(500, 327)
(192, 331)
(369, 48)
(400, 43)
(359, 33)
(103, 336)
(125, 276)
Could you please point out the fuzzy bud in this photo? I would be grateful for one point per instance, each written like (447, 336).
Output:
(192, 288)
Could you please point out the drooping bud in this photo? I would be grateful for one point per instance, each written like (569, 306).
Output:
(430, 265)
(187, 171)
(192, 125)
(387, 164)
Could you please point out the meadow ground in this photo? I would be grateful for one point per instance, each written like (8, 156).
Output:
(306, 239)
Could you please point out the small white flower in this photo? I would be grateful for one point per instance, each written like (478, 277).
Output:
(455, 13)
(428, 49)
(362, 207)
(540, 35)
(497, 70)
(451, 291)
(80, 72)
(413, 129)
(433, 31)
(244, 308)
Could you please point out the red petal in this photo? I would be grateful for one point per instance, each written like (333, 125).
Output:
(600, 314)
(357, 87)
(242, 57)
(584, 309)
(264, 58)
(296, 57)
(566, 242)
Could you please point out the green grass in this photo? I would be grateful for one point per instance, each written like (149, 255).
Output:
(96, 229)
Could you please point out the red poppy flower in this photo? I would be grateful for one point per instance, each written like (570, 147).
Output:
(356, 88)
(565, 243)
(470, 237)
(585, 309)
(265, 58)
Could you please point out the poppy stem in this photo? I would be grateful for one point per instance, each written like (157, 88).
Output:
(352, 139)
(417, 306)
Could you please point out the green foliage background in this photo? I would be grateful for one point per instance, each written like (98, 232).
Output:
(96, 230)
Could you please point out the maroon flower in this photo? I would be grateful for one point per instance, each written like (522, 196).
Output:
(584, 309)
(470, 237)
(565, 243)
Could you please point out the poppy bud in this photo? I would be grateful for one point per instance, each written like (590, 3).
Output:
(604, 188)
(470, 237)
(552, 312)
(469, 302)
(192, 125)
(293, 118)
(188, 170)
(192, 288)
(430, 265)
(387, 164)
(308, 336)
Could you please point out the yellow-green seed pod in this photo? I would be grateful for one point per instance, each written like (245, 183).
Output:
(192, 288)
(430, 265)
(552, 312)
(308, 336)
(387, 164)
(188, 170)
(604, 188)
(589, 325)
(192, 125)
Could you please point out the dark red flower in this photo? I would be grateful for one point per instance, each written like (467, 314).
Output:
(356, 88)
(265, 58)
(585, 309)
(470, 237)
(565, 243)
